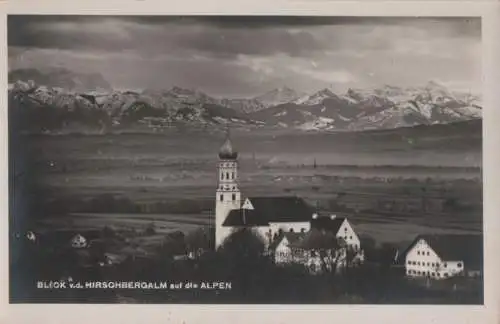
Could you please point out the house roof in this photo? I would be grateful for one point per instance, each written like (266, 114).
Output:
(291, 237)
(455, 247)
(244, 217)
(328, 224)
(315, 239)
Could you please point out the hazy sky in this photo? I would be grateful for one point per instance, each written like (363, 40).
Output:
(244, 56)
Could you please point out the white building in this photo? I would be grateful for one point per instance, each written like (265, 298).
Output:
(328, 243)
(444, 256)
(265, 214)
(340, 227)
(78, 241)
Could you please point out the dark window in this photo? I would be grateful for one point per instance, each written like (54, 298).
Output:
(427, 253)
(459, 265)
(345, 229)
(222, 176)
(227, 175)
(234, 196)
(221, 197)
(418, 252)
(291, 230)
(445, 264)
(350, 237)
(232, 175)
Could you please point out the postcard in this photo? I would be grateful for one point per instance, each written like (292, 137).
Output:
(269, 159)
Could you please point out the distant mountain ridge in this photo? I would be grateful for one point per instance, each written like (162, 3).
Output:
(50, 108)
(61, 78)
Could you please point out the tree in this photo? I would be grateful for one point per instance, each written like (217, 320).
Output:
(201, 239)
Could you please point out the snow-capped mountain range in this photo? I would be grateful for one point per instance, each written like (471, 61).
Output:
(45, 108)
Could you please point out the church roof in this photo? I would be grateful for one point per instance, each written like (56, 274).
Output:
(454, 247)
(227, 151)
(244, 217)
(282, 209)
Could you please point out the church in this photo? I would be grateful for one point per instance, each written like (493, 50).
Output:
(267, 215)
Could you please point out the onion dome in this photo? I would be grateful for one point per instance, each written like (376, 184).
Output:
(226, 151)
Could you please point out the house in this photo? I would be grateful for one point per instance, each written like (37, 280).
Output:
(317, 250)
(78, 241)
(31, 236)
(441, 256)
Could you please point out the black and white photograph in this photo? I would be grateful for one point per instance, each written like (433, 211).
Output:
(245, 159)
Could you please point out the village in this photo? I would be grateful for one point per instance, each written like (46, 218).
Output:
(285, 231)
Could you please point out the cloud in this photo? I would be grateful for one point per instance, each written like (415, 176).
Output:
(247, 55)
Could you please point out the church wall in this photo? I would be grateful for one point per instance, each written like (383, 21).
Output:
(297, 227)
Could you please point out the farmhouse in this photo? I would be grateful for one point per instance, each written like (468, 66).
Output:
(442, 256)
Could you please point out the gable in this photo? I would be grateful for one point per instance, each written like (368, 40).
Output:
(247, 205)
(421, 249)
(282, 244)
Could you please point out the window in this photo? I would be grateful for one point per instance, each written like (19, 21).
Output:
(445, 264)
(345, 229)
(222, 176)
(418, 252)
(350, 237)
(232, 175)
(227, 175)
(459, 265)
(221, 197)
(234, 197)
(427, 252)
(446, 274)
(418, 263)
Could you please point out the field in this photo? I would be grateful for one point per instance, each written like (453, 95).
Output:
(132, 180)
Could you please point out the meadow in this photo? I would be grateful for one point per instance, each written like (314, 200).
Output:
(130, 180)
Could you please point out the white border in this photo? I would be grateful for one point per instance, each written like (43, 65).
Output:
(123, 314)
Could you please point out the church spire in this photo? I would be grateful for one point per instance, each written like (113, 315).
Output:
(227, 151)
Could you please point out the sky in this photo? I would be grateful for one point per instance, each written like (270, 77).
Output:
(247, 56)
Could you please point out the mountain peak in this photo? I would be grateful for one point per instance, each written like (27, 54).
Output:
(278, 96)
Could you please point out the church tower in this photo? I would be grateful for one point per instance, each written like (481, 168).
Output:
(228, 195)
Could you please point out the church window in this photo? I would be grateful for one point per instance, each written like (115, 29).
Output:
(227, 175)
(221, 197)
(234, 197)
